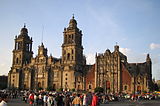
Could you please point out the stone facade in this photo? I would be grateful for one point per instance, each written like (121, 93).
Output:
(43, 71)
(116, 75)
(90, 78)
(110, 71)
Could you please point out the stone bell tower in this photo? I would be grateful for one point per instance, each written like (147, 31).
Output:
(22, 54)
(72, 49)
(72, 55)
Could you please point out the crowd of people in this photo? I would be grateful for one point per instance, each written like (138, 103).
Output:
(79, 99)
(60, 99)
(46, 98)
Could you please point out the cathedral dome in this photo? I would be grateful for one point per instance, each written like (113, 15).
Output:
(24, 30)
(73, 22)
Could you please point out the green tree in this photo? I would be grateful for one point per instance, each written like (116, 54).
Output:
(40, 88)
(50, 88)
(98, 90)
(73, 90)
(60, 89)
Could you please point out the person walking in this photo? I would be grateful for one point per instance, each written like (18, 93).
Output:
(85, 100)
(31, 98)
(45, 97)
(67, 101)
(94, 100)
(77, 101)
(50, 101)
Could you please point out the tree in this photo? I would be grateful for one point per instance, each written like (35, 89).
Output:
(50, 88)
(156, 88)
(60, 89)
(40, 88)
(73, 90)
(98, 90)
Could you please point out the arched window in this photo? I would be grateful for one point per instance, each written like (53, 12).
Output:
(54, 86)
(68, 56)
(39, 84)
(72, 37)
(72, 51)
(64, 52)
(17, 60)
(125, 87)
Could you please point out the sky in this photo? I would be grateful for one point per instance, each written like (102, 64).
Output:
(133, 24)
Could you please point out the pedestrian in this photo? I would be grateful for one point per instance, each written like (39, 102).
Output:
(35, 99)
(94, 100)
(67, 101)
(59, 100)
(31, 98)
(45, 97)
(50, 101)
(40, 99)
(77, 101)
(85, 100)
(89, 98)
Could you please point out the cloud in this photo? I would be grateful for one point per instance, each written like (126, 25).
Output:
(153, 46)
(90, 58)
(2, 65)
(125, 51)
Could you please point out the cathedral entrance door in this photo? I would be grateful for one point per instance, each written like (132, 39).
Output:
(107, 86)
(139, 89)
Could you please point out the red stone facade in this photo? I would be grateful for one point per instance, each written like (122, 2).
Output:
(126, 80)
(90, 78)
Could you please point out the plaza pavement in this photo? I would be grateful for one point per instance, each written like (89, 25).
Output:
(19, 102)
(137, 103)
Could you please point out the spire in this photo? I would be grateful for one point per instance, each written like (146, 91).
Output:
(42, 44)
(73, 16)
(24, 25)
(116, 43)
(148, 59)
(116, 47)
(42, 50)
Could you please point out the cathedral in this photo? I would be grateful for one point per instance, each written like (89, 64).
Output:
(111, 70)
(43, 71)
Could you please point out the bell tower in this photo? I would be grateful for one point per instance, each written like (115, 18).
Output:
(72, 49)
(22, 52)
(72, 57)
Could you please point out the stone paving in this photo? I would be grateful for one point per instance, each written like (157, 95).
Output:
(19, 102)
(137, 103)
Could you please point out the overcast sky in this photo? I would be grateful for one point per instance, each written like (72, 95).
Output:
(133, 24)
